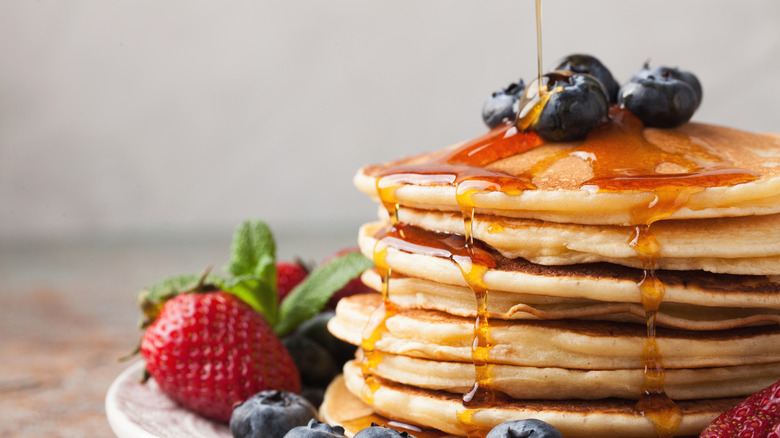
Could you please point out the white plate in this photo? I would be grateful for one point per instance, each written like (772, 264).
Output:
(137, 410)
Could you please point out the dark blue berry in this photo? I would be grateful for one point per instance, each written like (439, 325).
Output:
(315, 429)
(660, 97)
(501, 106)
(270, 414)
(377, 431)
(314, 394)
(587, 64)
(315, 365)
(675, 73)
(577, 103)
(525, 429)
(316, 329)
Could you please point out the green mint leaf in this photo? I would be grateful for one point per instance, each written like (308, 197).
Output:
(254, 291)
(253, 252)
(253, 265)
(309, 297)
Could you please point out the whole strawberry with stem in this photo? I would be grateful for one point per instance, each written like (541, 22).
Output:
(756, 417)
(209, 351)
(212, 341)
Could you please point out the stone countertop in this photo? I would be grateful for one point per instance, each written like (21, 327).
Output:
(68, 312)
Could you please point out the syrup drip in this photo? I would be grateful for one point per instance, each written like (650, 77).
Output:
(377, 323)
(653, 402)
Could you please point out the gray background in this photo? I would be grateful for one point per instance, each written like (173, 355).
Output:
(147, 120)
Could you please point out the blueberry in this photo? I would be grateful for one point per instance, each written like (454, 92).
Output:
(314, 394)
(660, 97)
(577, 103)
(580, 63)
(270, 414)
(315, 429)
(500, 106)
(315, 365)
(675, 73)
(316, 329)
(377, 431)
(525, 429)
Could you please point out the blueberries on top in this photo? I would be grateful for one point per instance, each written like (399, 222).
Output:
(578, 95)
(501, 106)
(590, 65)
(661, 97)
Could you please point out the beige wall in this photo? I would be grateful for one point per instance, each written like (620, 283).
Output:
(148, 116)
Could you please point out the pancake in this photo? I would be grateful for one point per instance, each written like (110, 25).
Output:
(340, 407)
(549, 383)
(417, 293)
(562, 184)
(572, 344)
(603, 418)
(596, 281)
(736, 245)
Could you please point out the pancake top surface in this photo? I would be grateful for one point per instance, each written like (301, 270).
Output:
(692, 166)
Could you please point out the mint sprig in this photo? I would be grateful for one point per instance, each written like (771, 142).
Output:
(253, 280)
(309, 297)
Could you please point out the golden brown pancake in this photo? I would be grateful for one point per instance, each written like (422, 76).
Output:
(560, 192)
(573, 344)
(594, 281)
(735, 245)
(604, 418)
(549, 383)
(417, 293)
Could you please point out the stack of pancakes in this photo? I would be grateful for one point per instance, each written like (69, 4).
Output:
(625, 285)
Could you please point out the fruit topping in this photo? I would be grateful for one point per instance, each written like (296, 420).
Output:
(211, 350)
(568, 107)
(501, 106)
(270, 414)
(575, 98)
(315, 364)
(316, 329)
(661, 97)
(212, 341)
(587, 64)
(758, 417)
(531, 428)
(289, 275)
(687, 77)
(315, 429)
(377, 431)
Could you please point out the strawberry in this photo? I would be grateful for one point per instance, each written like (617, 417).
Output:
(212, 341)
(756, 417)
(209, 351)
(289, 275)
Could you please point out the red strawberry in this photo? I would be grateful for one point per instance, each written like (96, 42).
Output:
(775, 433)
(354, 287)
(209, 351)
(756, 417)
(289, 275)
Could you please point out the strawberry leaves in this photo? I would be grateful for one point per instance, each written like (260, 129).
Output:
(253, 280)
